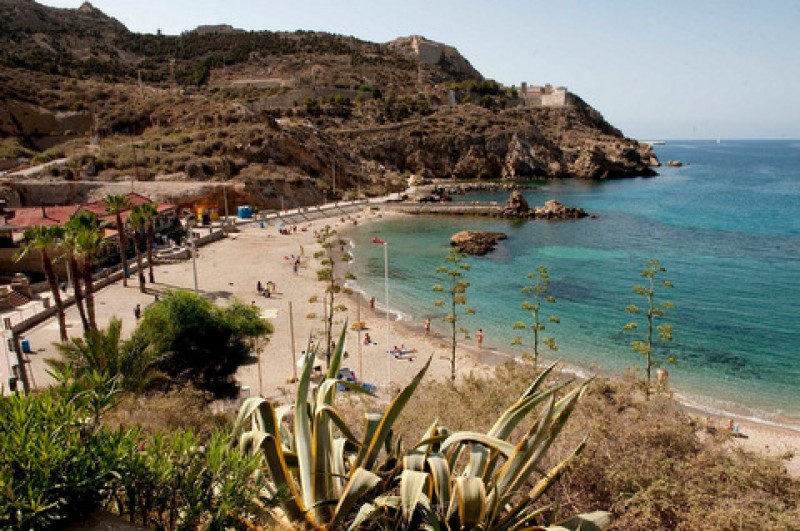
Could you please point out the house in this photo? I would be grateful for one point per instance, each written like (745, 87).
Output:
(18, 219)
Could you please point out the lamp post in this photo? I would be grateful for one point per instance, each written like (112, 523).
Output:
(193, 251)
(386, 309)
(386, 297)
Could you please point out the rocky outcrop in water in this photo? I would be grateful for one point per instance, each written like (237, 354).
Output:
(476, 242)
(516, 205)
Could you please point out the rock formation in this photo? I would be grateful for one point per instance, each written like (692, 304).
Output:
(520, 161)
(552, 209)
(476, 242)
(516, 206)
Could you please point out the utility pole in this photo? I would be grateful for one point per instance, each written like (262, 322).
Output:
(135, 166)
(334, 179)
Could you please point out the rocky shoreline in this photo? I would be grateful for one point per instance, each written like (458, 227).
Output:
(515, 208)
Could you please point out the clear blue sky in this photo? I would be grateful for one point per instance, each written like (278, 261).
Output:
(655, 69)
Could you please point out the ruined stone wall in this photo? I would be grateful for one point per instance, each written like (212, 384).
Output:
(556, 98)
(427, 52)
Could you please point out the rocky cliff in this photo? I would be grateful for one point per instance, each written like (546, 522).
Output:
(293, 116)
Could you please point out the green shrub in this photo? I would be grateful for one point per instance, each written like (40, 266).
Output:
(55, 465)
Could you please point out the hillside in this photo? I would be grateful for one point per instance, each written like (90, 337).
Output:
(276, 114)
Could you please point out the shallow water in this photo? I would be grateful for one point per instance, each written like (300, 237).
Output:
(727, 228)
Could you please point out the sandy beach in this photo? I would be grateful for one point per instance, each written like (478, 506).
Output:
(232, 267)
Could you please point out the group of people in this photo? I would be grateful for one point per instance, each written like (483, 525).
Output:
(266, 290)
(403, 353)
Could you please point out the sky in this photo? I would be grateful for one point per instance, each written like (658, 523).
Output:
(670, 69)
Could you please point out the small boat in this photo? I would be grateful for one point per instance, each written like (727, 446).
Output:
(674, 163)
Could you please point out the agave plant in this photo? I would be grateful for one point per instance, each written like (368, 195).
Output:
(471, 480)
(321, 475)
(327, 478)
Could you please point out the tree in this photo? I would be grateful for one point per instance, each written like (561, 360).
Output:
(655, 311)
(131, 362)
(73, 252)
(116, 205)
(201, 343)
(456, 289)
(44, 240)
(537, 292)
(138, 223)
(150, 212)
(332, 249)
(90, 242)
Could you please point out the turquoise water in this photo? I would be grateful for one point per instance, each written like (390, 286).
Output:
(727, 228)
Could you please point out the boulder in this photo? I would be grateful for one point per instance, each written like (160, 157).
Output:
(516, 205)
(476, 242)
(552, 209)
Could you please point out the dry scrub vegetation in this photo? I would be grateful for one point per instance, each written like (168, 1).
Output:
(648, 462)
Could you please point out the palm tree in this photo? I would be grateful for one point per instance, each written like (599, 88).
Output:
(132, 361)
(44, 239)
(92, 243)
(89, 238)
(138, 223)
(72, 247)
(116, 205)
(149, 211)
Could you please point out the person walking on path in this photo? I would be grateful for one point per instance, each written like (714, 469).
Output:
(479, 337)
(137, 312)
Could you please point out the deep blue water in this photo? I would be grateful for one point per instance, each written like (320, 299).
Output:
(726, 226)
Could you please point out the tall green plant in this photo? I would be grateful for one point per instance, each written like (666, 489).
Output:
(81, 232)
(331, 253)
(137, 221)
(455, 288)
(653, 312)
(537, 293)
(149, 213)
(132, 362)
(116, 204)
(91, 243)
(47, 240)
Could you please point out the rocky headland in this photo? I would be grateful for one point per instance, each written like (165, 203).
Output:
(276, 119)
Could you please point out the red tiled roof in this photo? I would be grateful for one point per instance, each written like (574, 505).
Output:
(26, 217)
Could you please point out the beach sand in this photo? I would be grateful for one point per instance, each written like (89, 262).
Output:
(232, 267)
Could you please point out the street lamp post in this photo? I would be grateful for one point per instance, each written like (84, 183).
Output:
(193, 251)
(386, 309)
(386, 298)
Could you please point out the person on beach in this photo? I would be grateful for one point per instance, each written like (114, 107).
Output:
(428, 326)
(367, 339)
(259, 287)
(372, 303)
(137, 312)
(479, 337)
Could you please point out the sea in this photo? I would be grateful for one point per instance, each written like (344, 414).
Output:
(725, 226)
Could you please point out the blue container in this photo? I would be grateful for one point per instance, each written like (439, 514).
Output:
(244, 212)
(26, 346)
